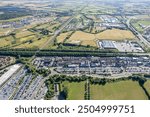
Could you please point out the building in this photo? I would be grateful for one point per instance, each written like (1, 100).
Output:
(108, 45)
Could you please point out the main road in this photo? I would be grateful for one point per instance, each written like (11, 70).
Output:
(57, 32)
(139, 35)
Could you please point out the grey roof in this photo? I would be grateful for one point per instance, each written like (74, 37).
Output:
(108, 44)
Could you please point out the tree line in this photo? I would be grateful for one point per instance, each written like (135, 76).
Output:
(27, 53)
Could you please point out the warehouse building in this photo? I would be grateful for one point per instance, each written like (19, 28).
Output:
(107, 45)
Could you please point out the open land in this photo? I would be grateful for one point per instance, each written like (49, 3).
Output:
(124, 90)
(90, 39)
(147, 86)
(75, 90)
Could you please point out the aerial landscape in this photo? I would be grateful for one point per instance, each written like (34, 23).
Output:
(75, 50)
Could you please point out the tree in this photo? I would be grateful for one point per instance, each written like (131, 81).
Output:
(64, 93)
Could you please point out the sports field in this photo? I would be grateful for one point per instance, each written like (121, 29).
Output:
(123, 90)
(75, 90)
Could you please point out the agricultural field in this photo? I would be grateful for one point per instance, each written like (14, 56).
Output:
(6, 41)
(24, 39)
(94, 9)
(123, 90)
(46, 25)
(84, 38)
(53, 27)
(147, 86)
(34, 44)
(80, 37)
(61, 38)
(116, 34)
(28, 36)
(23, 33)
(75, 90)
(5, 31)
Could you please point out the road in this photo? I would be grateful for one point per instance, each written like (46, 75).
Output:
(56, 33)
(147, 27)
(52, 39)
(139, 35)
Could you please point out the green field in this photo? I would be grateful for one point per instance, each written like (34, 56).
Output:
(35, 44)
(6, 41)
(123, 90)
(147, 86)
(30, 36)
(75, 90)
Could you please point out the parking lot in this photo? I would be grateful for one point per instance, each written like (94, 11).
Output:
(9, 88)
(128, 46)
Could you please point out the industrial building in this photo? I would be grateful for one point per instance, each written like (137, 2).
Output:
(121, 46)
(107, 45)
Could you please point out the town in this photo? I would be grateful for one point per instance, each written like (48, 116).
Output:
(95, 65)
(19, 84)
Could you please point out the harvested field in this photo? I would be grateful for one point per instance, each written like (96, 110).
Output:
(84, 38)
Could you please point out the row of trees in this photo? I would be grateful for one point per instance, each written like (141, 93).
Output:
(100, 81)
(53, 53)
(62, 78)
(62, 50)
(87, 91)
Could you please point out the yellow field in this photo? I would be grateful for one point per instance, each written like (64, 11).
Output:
(89, 42)
(23, 33)
(27, 38)
(62, 36)
(5, 31)
(84, 38)
(6, 41)
(50, 28)
(115, 34)
(43, 26)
